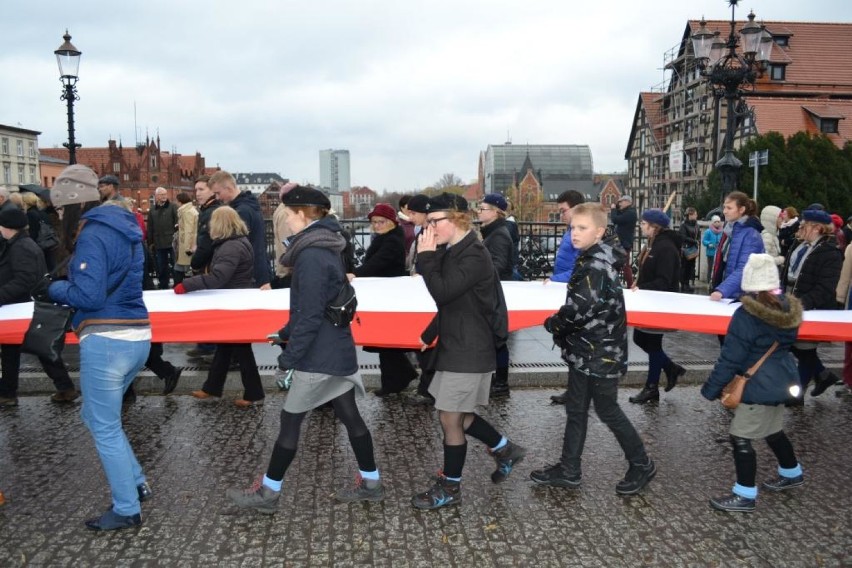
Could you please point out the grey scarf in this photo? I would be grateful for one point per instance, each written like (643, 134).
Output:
(319, 237)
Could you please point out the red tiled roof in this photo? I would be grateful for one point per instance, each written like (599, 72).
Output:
(653, 103)
(473, 192)
(817, 55)
(788, 116)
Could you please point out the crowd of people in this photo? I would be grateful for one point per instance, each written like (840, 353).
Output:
(777, 264)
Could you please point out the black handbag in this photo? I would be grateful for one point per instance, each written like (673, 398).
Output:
(341, 311)
(45, 338)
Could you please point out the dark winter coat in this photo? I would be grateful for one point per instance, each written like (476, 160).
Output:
(203, 243)
(753, 329)
(745, 240)
(248, 208)
(659, 268)
(472, 319)
(232, 267)
(22, 266)
(385, 256)
(594, 316)
(689, 233)
(105, 274)
(162, 223)
(817, 282)
(787, 237)
(625, 225)
(314, 344)
(498, 241)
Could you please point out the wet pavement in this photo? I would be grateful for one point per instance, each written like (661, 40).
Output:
(192, 451)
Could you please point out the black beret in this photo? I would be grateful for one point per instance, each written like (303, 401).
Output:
(447, 202)
(108, 179)
(13, 218)
(816, 216)
(419, 203)
(306, 196)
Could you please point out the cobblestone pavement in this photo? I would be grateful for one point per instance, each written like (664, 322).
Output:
(192, 451)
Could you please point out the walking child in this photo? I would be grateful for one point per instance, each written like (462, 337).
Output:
(591, 329)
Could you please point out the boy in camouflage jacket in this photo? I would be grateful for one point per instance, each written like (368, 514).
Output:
(591, 329)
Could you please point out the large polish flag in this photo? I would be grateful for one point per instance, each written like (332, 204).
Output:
(393, 311)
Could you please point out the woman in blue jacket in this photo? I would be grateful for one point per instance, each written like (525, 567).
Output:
(767, 317)
(741, 238)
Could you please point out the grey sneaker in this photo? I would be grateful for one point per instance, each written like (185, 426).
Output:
(506, 457)
(258, 497)
(364, 490)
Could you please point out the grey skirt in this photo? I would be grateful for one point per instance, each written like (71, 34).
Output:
(310, 390)
(757, 421)
(460, 392)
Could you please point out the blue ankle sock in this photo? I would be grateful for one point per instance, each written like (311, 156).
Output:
(743, 491)
(371, 475)
(503, 442)
(454, 479)
(272, 484)
(790, 473)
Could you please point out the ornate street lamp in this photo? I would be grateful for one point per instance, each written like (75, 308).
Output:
(68, 58)
(729, 72)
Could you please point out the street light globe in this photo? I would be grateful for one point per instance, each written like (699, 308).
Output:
(68, 58)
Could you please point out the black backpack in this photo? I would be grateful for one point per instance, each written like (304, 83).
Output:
(341, 311)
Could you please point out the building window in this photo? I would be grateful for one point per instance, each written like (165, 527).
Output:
(783, 41)
(116, 167)
(21, 174)
(21, 148)
(32, 174)
(7, 173)
(828, 125)
(777, 72)
(32, 150)
(5, 146)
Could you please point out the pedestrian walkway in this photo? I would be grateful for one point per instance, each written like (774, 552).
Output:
(193, 451)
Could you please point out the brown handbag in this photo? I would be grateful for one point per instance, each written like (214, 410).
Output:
(732, 394)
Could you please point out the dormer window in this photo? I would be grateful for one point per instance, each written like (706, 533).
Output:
(828, 125)
(777, 72)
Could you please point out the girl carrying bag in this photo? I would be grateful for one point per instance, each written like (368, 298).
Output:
(732, 394)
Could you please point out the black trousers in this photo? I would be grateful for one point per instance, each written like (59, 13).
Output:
(396, 370)
(582, 390)
(215, 383)
(10, 363)
(157, 364)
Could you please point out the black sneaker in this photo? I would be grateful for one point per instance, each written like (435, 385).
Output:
(557, 476)
(364, 490)
(637, 477)
(782, 483)
(732, 503)
(171, 381)
(144, 491)
(419, 399)
(823, 381)
(673, 373)
(258, 497)
(646, 395)
(506, 457)
(559, 398)
(442, 494)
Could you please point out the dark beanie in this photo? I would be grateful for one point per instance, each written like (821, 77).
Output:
(13, 218)
(657, 217)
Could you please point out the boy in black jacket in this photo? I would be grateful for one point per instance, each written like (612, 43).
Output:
(591, 329)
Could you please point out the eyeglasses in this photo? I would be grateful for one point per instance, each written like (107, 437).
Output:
(434, 222)
(378, 220)
(481, 208)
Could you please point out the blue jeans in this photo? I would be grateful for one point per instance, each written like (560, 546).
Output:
(107, 367)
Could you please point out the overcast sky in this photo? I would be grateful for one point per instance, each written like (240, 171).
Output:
(412, 89)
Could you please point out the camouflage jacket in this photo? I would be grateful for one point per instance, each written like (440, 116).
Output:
(593, 317)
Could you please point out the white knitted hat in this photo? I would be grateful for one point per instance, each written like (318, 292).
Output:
(760, 274)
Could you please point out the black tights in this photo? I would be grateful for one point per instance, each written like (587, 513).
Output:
(291, 425)
(745, 458)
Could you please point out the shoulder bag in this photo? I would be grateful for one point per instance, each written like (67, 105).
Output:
(45, 337)
(732, 394)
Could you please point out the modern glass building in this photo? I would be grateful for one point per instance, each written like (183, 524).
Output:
(558, 167)
(334, 170)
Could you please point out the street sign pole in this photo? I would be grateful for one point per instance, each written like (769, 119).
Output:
(755, 160)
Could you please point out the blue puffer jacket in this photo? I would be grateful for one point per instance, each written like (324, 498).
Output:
(753, 328)
(566, 257)
(745, 240)
(108, 257)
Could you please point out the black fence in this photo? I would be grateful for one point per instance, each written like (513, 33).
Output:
(539, 243)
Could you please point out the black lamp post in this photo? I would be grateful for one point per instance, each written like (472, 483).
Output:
(68, 58)
(728, 72)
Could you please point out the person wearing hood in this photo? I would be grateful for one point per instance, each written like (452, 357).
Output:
(659, 269)
(321, 355)
(591, 330)
(224, 187)
(690, 235)
(769, 219)
(740, 238)
(232, 267)
(498, 240)
(811, 274)
(767, 322)
(385, 258)
(104, 286)
(710, 240)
